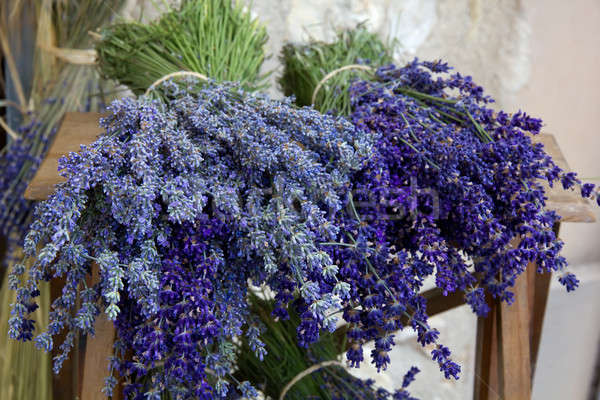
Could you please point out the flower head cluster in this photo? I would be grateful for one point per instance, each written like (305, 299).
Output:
(454, 191)
(213, 155)
(198, 315)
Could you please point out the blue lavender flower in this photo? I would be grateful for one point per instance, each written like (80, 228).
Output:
(210, 181)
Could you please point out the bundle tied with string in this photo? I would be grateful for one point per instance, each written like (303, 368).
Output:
(454, 190)
(313, 372)
(180, 203)
(72, 56)
(320, 73)
(173, 75)
(334, 73)
(306, 372)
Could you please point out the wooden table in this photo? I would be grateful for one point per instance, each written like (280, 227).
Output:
(507, 340)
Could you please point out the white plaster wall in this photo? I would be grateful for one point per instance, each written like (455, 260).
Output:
(483, 38)
(563, 90)
(542, 56)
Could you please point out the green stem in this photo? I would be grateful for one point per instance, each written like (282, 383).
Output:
(336, 244)
(423, 96)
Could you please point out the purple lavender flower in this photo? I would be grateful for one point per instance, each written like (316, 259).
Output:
(453, 190)
(569, 281)
(209, 182)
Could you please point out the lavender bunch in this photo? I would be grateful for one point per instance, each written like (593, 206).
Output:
(273, 174)
(483, 167)
(454, 190)
(307, 64)
(217, 38)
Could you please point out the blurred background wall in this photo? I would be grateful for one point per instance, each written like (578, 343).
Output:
(542, 56)
(563, 88)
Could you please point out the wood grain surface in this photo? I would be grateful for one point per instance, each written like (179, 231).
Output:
(76, 129)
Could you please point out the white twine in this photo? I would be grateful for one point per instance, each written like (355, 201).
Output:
(306, 372)
(4, 125)
(174, 74)
(9, 130)
(72, 56)
(335, 72)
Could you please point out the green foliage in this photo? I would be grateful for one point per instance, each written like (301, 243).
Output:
(285, 358)
(305, 65)
(217, 38)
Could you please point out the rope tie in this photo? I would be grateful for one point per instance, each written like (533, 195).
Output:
(335, 72)
(14, 135)
(173, 75)
(306, 372)
(72, 56)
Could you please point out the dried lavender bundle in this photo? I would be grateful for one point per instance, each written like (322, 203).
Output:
(454, 190)
(72, 88)
(164, 184)
(271, 174)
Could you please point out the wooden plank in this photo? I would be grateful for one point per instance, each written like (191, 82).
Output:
(438, 303)
(515, 362)
(567, 203)
(502, 359)
(503, 352)
(76, 129)
(64, 384)
(98, 349)
(487, 373)
(539, 287)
